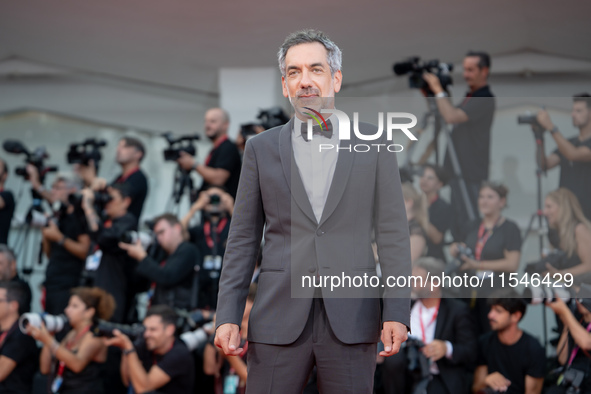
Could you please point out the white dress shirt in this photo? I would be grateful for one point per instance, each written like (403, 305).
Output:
(316, 168)
(420, 312)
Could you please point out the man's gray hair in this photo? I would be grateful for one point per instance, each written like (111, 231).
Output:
(334, 55)
(434, 266)
(4, 249)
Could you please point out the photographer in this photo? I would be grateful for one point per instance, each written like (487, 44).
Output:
(570, 232)
(444, 327)
(418, 220)
(8, 273)
(216, 207)
(573, 154)
(509, 359)
(172, 278)
(222, 165)
(440, 213)
(66, 243)
(115, 268)
(130, 153)
(489, 246)
(18, 352)
(472, 121)
(75, 364)
(160, 362)
(574, 343)
(6, 204)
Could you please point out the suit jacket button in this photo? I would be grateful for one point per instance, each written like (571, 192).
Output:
(320, 232)
(311, 269)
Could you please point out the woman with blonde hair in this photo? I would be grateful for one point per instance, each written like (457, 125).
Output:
(570, 231)
(417, 215)
(74, 364)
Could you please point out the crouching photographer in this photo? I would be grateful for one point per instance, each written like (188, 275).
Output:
(159, 361)
(172, 278)
(574, 344)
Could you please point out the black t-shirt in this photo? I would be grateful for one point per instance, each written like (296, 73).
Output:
(440, 216)
(177, 364)
(505, 236)
(21, 349)
(209, 278)
(471, 139)
(576, 176)
(138, 189)
(226, 156)
(6, 215)
(514, 362)
(116, 267)
(64, 269)
(173, 276)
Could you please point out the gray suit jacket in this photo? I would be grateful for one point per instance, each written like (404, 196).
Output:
(364, 197)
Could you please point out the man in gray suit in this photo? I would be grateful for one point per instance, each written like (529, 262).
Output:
(318, 210)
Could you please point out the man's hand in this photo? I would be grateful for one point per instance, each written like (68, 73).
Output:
(119, 340)
(497, 382)
(186, 161)
(544, 120)
(135, 251)
(435, 350)
(393, 334)
(433, 82)
(558, 307)
(33, 175)
(52, 233)
(227, 338)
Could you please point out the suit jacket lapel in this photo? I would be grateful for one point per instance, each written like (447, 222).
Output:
(291, 172)
(339, 180)
(441, 318)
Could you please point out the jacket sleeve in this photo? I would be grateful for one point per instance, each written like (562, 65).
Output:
(243, 243)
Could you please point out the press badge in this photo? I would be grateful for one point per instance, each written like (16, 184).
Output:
(57, 383)
(212, 263)
(231, 384)
(94, 260)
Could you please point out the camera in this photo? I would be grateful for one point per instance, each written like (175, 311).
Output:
(105, 329)
(465, 251)
(415, 69)
(542, 294)
(52, 323)
(178, 145)
(131, 237)
(556, 259)
(101, 198)
(83, 152)
(196, 338)
(269, 118)
(36, 158)
(248, 130)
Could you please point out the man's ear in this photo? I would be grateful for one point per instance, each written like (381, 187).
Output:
(170, 329)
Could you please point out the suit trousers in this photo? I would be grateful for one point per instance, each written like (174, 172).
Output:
(341, 368)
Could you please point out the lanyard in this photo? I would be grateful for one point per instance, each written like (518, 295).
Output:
(5, 334)
(224, 138)
(576, 349)
(122, 178)
(219, 229)
(483, 237)
(153, 286)
(423, 327)
(69, 345)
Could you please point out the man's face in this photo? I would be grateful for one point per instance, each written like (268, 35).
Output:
(168, 235)
(156, 333)
(420, 287)
(7, 268)
(475, 76)
(581, 114)
(499, 318)
(60, 191)
(215, 123)
(308, 81)
(429, 182)
(117, 205)
(126, 154)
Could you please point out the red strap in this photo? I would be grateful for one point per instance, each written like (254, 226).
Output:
(423, 328)
(207, 231)
(482, 238)
(123, 177)
(215, 146)
(153, 285)
(69, 345)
